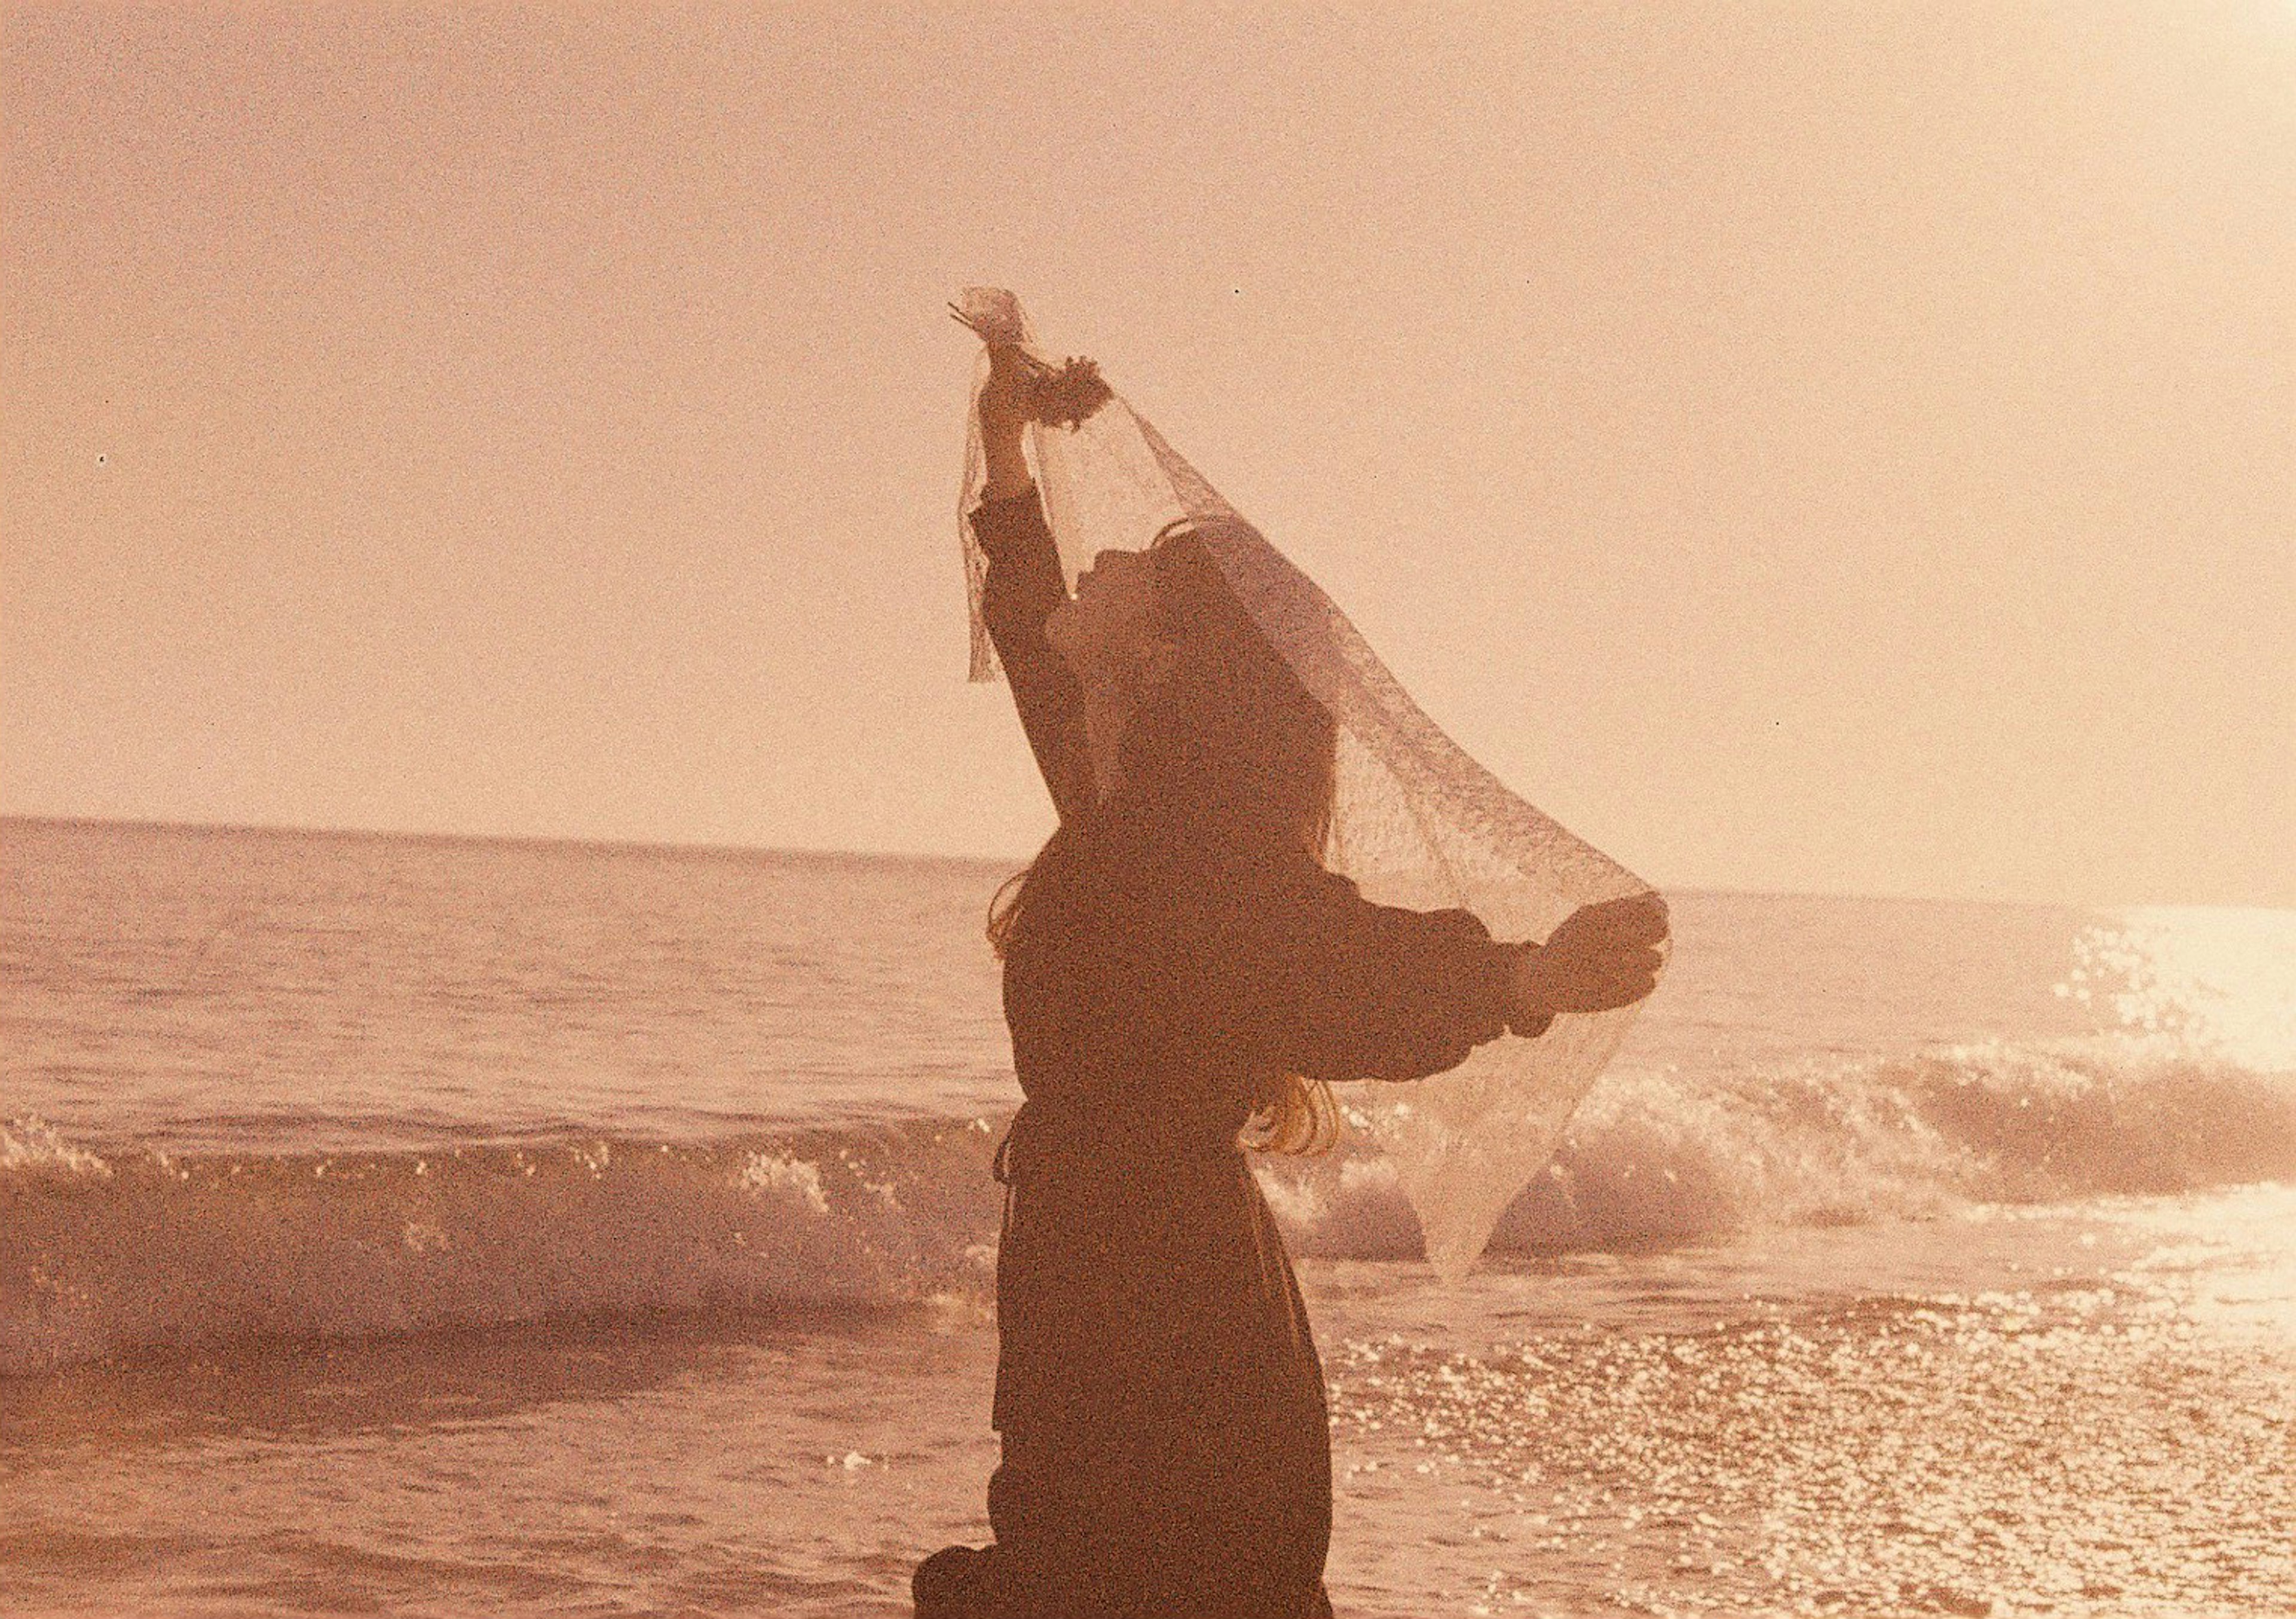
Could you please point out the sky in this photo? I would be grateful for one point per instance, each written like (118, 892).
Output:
(1822, 448)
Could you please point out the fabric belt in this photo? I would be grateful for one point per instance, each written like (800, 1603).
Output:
(1040, 1132)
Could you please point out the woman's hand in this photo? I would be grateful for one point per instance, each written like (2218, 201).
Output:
(1603, 956)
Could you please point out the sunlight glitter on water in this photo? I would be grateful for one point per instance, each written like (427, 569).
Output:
(2112, 1442)
(2228, 1263)
(2222, 978)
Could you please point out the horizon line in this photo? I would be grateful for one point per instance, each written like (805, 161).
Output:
(804, 852)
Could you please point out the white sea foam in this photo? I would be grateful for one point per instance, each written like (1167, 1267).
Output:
(29, 1149)
(770, 1172)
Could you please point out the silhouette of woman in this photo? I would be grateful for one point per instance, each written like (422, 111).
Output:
(1183, 976)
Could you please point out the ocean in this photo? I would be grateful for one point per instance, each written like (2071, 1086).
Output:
(435, 1226)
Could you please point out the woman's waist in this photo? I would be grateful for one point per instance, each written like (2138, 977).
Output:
(1050, 1132)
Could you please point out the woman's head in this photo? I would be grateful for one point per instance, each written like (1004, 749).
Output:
(1208, 721)
(1116, 627)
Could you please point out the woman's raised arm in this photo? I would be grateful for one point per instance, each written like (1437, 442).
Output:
(1003, 415)
(1024, 584)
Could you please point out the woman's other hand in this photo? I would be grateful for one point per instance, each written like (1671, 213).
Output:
(1603, 956)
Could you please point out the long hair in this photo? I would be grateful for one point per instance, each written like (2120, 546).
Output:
(1233, 747)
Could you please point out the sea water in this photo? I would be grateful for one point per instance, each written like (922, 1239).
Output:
(441, 1226)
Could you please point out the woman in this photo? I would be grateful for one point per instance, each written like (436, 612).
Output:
(1182, 974)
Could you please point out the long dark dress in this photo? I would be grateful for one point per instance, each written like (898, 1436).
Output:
(1166, 1448)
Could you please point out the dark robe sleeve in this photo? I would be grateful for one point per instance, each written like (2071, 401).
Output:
(1353, 990)
(1024, 584)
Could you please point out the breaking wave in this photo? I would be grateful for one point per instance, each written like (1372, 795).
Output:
(104, 1251)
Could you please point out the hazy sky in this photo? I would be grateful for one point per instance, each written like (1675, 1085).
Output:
(1815, 446)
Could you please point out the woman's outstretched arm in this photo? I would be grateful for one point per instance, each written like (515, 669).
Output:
(1024, 584)
(1364, 991)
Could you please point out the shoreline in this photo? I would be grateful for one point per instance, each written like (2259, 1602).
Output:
(1903, 1415)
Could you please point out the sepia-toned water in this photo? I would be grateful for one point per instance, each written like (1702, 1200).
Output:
(428, 1226)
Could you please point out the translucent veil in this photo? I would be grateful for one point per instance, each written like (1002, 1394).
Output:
(1417, 823)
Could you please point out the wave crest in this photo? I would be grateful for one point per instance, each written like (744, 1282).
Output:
(102, 1253)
